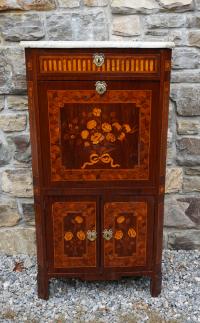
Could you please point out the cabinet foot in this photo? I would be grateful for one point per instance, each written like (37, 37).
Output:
(156, 284)
(43, 285)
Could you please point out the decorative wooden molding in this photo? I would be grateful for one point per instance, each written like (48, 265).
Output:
(167, 65)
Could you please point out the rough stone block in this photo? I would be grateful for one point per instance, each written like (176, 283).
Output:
(134, 6)
(16, 27)
(17, 102)
(69, 3)
(193, 209)
(193, 21)
(9, 215)
(194, 38)
(18, 240)
(12, 122)
(188, 127)
(59, 26)
(126, 25)
(192, 76)
(177, 5)
(185, 58)
(176, 213)
(27, 4)
(191, 184)
(187, 99)
(22, 151)
(185, 239)
(192, 171)
(173, 35)
(28, 213)
(197, 2)
(188, 149)
(6, 152)
(12, 70)
(165, 21)
(95, 3)
(2, 102)
(91, 25)
(17, 182)
(174, 179)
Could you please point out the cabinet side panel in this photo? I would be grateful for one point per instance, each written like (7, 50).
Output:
(163, 116)
(36, 160)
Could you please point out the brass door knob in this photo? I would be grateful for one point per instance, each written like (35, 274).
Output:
(91, 235)
(107, 234)
(101, 87)
(98, 59)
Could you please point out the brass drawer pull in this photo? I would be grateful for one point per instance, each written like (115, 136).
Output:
(91, 235)
(98, 59)
(107, 234)
(101, 87)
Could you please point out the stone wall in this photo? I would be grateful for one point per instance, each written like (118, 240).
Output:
(176, 20)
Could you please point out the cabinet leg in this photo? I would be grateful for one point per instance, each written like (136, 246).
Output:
(43, 285)
(156, 284)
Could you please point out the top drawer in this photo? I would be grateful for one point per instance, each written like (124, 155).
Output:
(99, 63)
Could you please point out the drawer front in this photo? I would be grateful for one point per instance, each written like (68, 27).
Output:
(99, 63)
(127, 228)
(72, 242)
(87, 136)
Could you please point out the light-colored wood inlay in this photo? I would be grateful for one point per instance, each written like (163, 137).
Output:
(84, 64)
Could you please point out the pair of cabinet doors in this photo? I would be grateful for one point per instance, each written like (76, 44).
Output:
(99, 233)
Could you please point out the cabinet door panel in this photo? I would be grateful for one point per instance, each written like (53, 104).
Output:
(130, 223)
(92, 137)
(71, 222)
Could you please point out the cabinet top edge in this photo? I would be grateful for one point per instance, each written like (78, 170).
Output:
(95, 44)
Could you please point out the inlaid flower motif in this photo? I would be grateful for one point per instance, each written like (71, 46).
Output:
(78, 219)
(118, 235)
(80, 235)
(117, 126)
(110, 137)
(96, 138)
(96, 112)
(91, 124)
(132, 233)
(106, 127)
(122, 136)
(84, 134)
(126, 128)
(120, 219)
(68, 236)
(86, 144)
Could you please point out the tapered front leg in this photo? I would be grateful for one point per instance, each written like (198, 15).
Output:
(156, 284)
(43, 284)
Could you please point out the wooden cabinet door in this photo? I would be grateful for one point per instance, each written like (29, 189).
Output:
(72, 233)
(127, 233)
(89, 137)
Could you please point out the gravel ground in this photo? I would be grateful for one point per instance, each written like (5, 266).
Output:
(126, 301)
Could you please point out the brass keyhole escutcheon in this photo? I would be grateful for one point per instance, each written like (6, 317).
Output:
(98, 59)
(91, 235)
(100, 87)
(107, 234)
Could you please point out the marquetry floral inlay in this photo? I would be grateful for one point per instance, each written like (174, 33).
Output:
(68, 236)
(89, 131)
